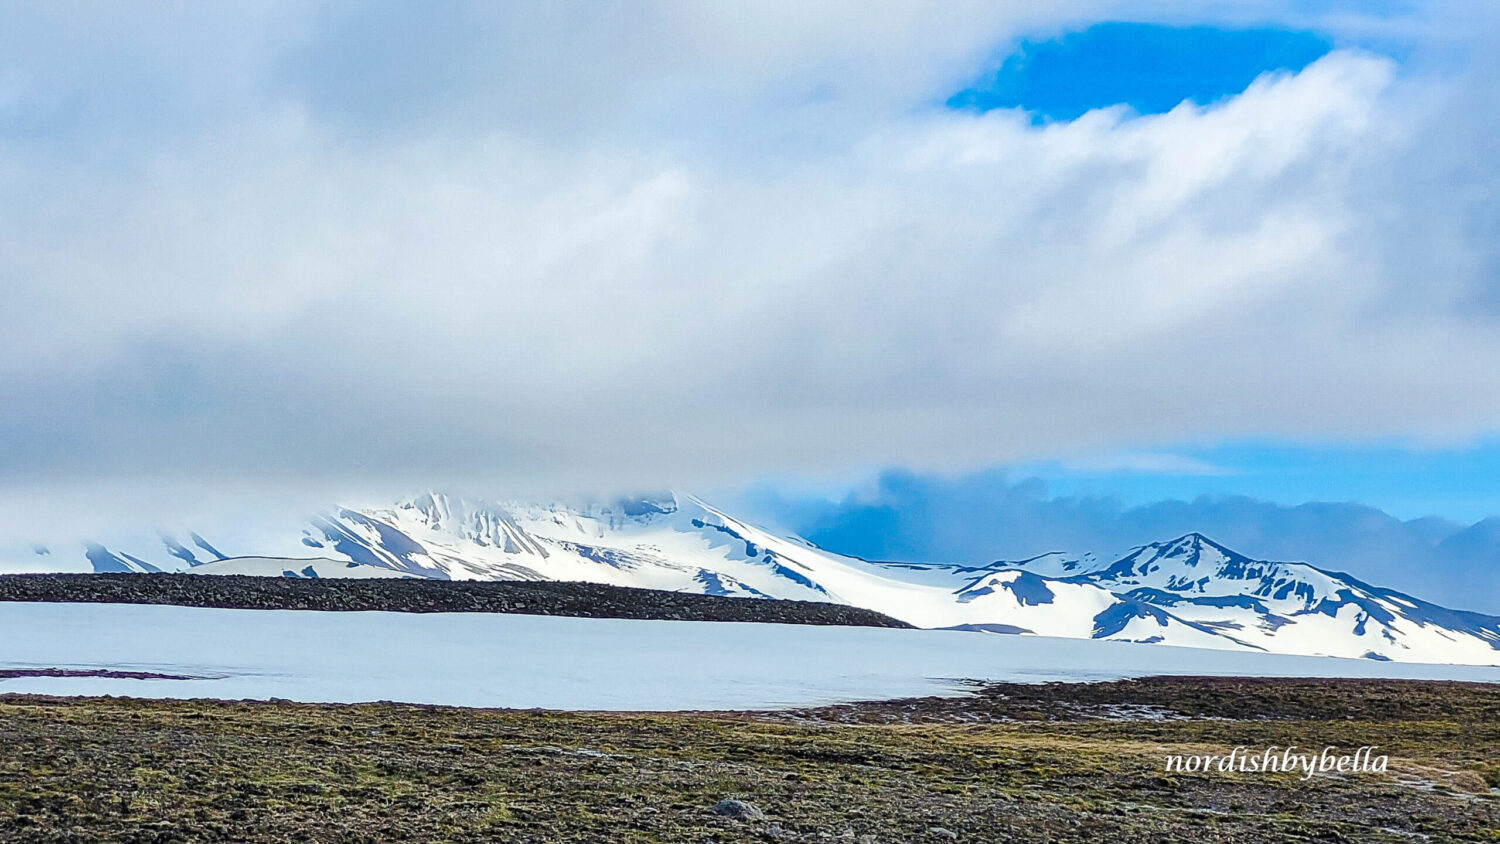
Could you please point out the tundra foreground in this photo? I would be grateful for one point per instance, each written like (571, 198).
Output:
(1053, 762)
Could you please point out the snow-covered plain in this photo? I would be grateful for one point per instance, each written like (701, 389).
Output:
(476, 659)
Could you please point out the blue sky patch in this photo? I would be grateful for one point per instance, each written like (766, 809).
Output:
(1456, 483)
(1149, 67)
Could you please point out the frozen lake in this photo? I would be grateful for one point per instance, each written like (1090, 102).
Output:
(476, 659)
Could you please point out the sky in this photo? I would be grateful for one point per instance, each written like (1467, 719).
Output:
(293, 250)
(1151, 68)
(1409, 483)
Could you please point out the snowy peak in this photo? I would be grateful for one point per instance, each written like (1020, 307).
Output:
(484, 524)
(1194, 565)
(1192, 556)
(1291, 607)
(1186, 591)
(1193, 590)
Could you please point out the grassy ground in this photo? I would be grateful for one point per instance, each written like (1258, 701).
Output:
(1041, 763)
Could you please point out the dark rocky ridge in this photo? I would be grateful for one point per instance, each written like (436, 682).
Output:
(588, 600)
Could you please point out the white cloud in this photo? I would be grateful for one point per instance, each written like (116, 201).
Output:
(675, 247)
(1149, 462)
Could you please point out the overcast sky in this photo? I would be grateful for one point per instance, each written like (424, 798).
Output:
(317, 245)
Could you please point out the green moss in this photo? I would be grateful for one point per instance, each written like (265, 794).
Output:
(98, 769)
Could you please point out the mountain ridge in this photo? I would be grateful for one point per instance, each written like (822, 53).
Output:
(1189, 590)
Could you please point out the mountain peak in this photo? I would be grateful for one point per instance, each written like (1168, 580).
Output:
(1191, 546)
(1188, 549)
(1190, 558)
(1194, 540)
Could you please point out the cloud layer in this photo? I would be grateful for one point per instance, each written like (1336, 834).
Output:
(654, 245)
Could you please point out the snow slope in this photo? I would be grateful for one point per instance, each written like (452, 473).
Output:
(1189, 591)
(295, 567)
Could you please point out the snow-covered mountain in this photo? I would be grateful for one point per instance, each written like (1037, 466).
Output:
(1189, 591)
